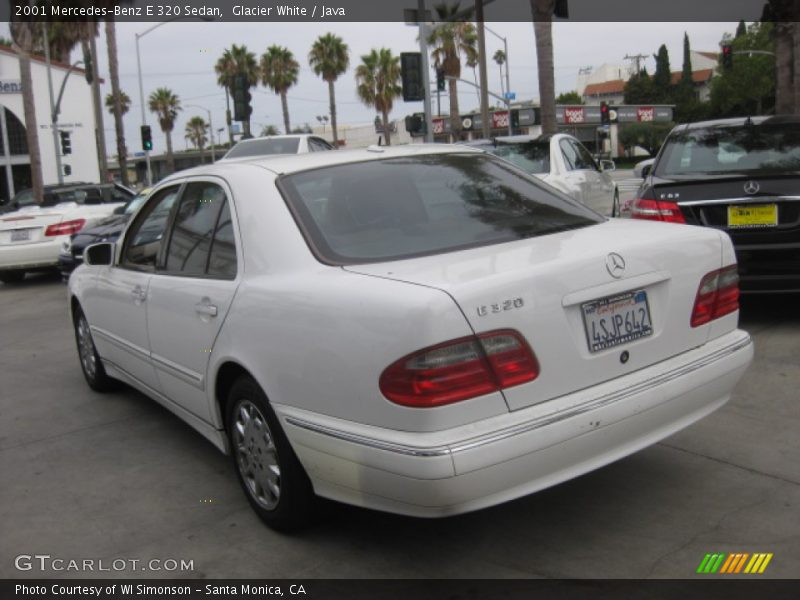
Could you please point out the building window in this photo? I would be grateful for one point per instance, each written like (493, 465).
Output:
(17, 140)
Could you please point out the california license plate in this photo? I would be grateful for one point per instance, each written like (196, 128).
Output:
(754, 215)
(20, 235)
(616, 320)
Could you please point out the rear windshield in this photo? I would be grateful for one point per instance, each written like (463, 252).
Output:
(412, 206)
(531, 157)
(264, 147)
(768, 147)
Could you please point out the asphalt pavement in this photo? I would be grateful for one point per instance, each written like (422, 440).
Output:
(115, 476)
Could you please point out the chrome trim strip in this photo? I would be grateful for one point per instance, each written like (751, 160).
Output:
(368, 441)
(121, 343)
(177, 370)
(745, 200)
(533, 424)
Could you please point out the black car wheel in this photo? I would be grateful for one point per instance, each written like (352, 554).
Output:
(12, 276)
(274, 481)
(91, 365)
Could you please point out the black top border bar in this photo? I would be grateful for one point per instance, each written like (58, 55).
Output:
(332, 11)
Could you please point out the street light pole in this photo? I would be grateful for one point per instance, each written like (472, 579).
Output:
(53, 114)
(426, 83)
(508, 82)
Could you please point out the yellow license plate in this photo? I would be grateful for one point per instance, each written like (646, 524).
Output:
(756, 215)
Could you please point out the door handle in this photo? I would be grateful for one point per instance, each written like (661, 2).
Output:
(139, 294)
(206, 309)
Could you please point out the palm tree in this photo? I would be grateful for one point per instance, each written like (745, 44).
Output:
(113, 68)
(125, 102)
(269, 130)
(195, 132)
(166, 105)
(236, 60)
(500, 58)
(378, 83)
(543, 31)
(330, 57)
(23, 34)
(451, 40)
(279, 72)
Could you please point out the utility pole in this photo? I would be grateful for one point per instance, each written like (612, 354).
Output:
(53, 114)
(636, 58)
(426, 83)
(482, 69)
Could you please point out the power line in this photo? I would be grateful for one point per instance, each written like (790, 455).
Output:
(636, 58)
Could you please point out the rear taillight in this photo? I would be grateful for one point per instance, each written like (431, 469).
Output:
(460, 369)
(657, 210)
(717, 296)
(67, 227)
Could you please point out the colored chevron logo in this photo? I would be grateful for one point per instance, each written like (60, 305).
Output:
(734, 563)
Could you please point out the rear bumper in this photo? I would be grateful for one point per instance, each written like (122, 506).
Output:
(31, 256)
(482, 464)
(768, 268)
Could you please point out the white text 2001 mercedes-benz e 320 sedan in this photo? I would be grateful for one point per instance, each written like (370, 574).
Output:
(424, 330)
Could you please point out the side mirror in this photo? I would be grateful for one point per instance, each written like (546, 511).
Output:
(646, 170)
(99, 255)
(607, 165)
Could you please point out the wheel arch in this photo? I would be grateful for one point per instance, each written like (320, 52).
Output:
(226, 375)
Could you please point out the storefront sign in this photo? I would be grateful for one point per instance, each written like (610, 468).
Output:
(10, 87)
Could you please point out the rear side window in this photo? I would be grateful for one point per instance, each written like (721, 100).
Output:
(531, 157)
(412, 206)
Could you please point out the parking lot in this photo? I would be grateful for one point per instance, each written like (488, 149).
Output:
(90, 476)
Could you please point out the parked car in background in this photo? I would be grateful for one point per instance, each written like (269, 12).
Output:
(81, 192)
(32, 236)
(106, 230)
(272, 145)
(562, 161)
(739, 176)
(425, 330)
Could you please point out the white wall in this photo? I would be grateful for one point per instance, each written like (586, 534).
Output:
(77, 117)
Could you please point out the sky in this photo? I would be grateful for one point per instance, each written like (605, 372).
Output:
(181, 56)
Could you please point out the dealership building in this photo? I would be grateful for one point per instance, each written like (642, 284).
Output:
(76, 120)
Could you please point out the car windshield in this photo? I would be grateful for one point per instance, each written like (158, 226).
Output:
(264, 147)
(768, 147)
(412, 206)
(531, 157)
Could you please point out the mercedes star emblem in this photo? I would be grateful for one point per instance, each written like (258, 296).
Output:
(615, 265)
(751, 187)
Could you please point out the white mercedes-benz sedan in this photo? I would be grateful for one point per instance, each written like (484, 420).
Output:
(424, 330)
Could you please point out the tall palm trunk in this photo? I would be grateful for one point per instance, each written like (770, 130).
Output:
(285, 107)
(23, 43)
(543, 30)
(89, 46)
(332, 108)
(113, 68)
(784, 69)
(170, 157)
(386, 131)
(455, 121)
(794, 109)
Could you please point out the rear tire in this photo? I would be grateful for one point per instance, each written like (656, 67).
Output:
(91, 365)
(273, 480)
(12, 276)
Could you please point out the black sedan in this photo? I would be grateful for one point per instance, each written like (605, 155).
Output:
(741, 176)
(107, 230)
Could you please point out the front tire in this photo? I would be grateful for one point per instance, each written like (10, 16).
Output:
(274, 481)
(91, 365)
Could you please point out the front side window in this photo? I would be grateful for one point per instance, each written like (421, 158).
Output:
(412, 206)
(195, 223)
(143, 241)
(585, 159)
(570, 156)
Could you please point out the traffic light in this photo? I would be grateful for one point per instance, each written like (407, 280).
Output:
(411, 76)
(605, 114)
(241, 98)
(561, 9)
(147, 138)
(727, 56)
(67, 170)
(440, 79)
(66, 143)
(87, 65)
